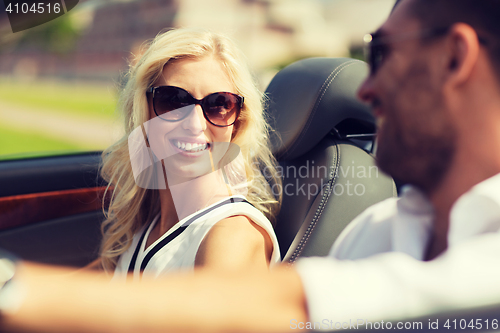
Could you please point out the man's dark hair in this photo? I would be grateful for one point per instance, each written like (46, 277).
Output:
(482, 15)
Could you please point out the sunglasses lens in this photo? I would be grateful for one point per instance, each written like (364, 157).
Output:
(374, 51)
(169, 103)
(376, 57)
(222, 109)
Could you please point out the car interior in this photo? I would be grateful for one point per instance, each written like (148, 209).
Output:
(51, 207)
(323, 138)
(323, 142)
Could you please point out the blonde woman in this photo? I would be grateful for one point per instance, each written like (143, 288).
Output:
(186, 181)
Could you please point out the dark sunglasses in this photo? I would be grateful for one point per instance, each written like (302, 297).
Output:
(377, 45)
(221, 109)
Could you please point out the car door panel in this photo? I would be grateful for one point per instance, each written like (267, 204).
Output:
(51, 208)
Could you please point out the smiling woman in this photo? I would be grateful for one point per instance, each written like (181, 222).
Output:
(185, 193)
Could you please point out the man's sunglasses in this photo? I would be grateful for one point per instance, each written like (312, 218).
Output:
(377, 45)
(221, 109)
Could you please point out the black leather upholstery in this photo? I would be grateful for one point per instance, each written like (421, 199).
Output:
(327, 179)
(311, 97)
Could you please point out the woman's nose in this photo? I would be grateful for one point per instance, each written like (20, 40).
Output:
(195, 121)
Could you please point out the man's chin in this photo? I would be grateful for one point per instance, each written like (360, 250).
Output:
(421, 172)
(399, 163)
(388, 164)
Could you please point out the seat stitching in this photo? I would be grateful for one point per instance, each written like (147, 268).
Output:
(315, 104)
(326, 195)
(328, 81)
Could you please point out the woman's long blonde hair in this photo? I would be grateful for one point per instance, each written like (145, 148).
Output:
(132, 206)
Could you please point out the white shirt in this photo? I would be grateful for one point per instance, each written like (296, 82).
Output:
(170, 253)
(382, 275)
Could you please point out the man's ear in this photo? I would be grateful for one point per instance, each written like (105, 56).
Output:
(463, 53)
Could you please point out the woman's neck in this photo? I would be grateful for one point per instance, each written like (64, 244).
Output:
(181, 200)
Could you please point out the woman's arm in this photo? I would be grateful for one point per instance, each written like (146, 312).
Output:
(235, 243)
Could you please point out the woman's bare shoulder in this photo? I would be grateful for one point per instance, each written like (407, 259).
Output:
(235, 243)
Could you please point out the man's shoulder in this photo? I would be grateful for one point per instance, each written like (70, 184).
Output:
(369, 233)
(387, 226)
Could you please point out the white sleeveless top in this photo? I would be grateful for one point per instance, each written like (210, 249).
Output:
(177, 248)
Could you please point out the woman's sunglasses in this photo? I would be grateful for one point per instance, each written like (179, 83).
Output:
(221, 109)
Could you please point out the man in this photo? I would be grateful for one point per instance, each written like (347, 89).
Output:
(435, 89)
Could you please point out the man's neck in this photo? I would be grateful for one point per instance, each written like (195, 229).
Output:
(470, 167)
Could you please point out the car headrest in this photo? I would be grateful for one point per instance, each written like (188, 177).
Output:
(313, 97)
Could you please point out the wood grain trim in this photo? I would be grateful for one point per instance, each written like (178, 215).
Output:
(26, 209)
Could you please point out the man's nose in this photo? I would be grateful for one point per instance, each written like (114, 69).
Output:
(365, 91)
(195, 121)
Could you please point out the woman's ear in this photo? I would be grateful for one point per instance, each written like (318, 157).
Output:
(463, 53)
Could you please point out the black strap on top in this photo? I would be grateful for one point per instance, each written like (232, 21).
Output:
(173, 235)
(136, 252)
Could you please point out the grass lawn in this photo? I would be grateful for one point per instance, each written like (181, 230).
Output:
(14, 142)
(94, 100)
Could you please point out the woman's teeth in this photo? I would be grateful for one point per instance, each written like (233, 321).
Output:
(191, 147)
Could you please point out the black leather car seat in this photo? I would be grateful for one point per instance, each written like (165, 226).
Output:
(322, 139)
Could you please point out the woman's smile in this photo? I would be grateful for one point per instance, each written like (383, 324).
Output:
(190, 146)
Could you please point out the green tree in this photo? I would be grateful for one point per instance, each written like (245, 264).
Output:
(57, 36)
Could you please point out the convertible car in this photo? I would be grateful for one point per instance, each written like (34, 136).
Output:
(51, 208)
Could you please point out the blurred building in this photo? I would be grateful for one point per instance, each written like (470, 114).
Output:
(272, 33)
